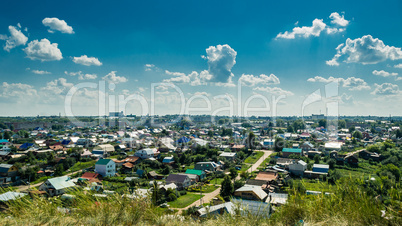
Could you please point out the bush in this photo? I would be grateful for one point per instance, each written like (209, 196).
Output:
(171, 197)
(183, 192)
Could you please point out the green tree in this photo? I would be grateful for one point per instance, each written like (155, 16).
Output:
(279, 144)
(251, 141)
(238, 184)
(7, 135)
(245, 175)
(323, 123)
(290, 129)
(59, 170)
(156, 194)
(227, 188)
(342, 124)
(351, 129)
(317, 159)
(331, 163)
(233, 173)
(357, 135)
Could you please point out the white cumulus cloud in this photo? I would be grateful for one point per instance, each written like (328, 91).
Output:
(338, 19)
(56, 24)
(305, 31)
(274, 91)
(87, 76)
(351, 83)
(17, 91)
(16, 38)
(43, 50)
(318, 26)
(251, 80)
(113, 78)
(40, 72)
(87, 61)
(398, 66)
(194, 78)
(365, 50)
(386, 89)
(384, 73)
(221, 59)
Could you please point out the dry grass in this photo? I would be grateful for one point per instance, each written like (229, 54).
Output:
(349, 205)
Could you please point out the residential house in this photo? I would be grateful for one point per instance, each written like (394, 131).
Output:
(207, 166)
(90, 176)
(4, 142)
(251, 192)
(286, 152)
(193, 178)
(295, 146)
(332, 146)
(26, 146)
(268, 143)
(298, 168)
(267, 176)
(311, 154)
(8, 170)
(132, 159)
(168, 160)
(5, 155)
(11, 195)
(237, 147)
(168, 186)
(352, 159)
(86, 154)
(199, 173)
(105, 167)
(277, 199)
(57, 185)
(228, 155)
(255, 208)
(364, 154)
(106, 148)
(307, 146)
(83, 142)
(182, 181)
(146, 153)
(155, 176)
(322, 168)
(284, 162)
(318, 170)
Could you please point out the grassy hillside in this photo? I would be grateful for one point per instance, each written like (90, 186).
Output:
(350, 204)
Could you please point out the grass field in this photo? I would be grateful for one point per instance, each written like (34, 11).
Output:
(254, 157)
(206, 188)
(217, 181)
(184, 200)
(245, 167)
(82, 165)
(318, 186)
(355, 174)
(39, 180)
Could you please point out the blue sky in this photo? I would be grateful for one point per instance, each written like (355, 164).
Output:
(204, 48)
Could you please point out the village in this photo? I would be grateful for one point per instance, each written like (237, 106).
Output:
(193, 167)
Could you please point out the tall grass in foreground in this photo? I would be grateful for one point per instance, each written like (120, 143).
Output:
(348, 205)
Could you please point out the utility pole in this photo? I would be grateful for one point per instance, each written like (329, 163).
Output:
(201, 195)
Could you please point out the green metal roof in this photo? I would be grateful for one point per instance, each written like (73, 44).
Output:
(103, 161)
(61, 182)
(193, 171)
(293, 150)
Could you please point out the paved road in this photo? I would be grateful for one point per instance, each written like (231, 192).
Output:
(209, 196)
(255, 166)
(206, 199)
